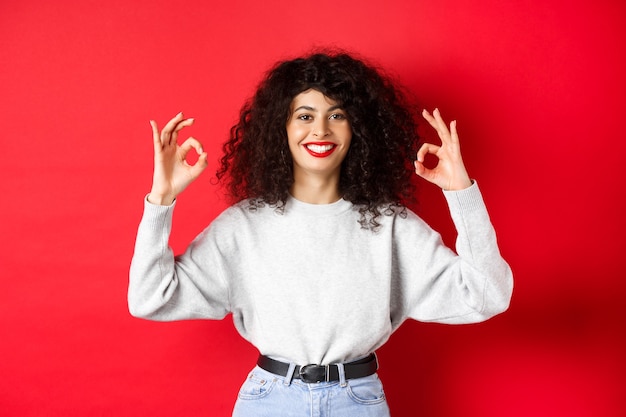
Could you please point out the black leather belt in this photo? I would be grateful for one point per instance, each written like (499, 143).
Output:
(320, 373)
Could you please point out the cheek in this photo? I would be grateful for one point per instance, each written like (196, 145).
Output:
(295, 133)
(290, 136)
(348, 136)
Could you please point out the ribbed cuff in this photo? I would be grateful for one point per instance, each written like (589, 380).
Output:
(468, 199)
(156, 215)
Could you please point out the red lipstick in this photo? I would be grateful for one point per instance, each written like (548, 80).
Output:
(320, 149)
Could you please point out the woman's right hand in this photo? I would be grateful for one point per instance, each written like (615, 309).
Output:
(172, 173)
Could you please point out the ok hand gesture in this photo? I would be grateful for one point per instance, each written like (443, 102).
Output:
(449, 173)
(172, 173)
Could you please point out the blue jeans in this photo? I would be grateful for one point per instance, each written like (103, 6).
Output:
(266, 394)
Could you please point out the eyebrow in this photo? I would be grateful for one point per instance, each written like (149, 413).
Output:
(309, 108)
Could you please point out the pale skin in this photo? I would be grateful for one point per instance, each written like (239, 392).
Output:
(172, 173)
(317, 119)
(449, 174)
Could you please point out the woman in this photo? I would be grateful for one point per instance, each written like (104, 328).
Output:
(319, 260)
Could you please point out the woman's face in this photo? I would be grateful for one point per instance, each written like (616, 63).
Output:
(319, 134)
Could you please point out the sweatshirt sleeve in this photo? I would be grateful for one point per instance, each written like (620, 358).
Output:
(468, 286)
(163, 287)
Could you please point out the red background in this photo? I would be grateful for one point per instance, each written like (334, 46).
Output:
(538, 91)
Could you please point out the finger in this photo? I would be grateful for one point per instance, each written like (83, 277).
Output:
(450, 133)
(197, 168)
(453, 132)
(180, 126)
(427, 148)
(166, 133)
(442, 128)
(430, 119)
(437, 123)
(200, 165)
(191, 143)
(156, 137)
(422, 171)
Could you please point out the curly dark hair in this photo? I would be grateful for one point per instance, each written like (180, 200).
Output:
(377, 170)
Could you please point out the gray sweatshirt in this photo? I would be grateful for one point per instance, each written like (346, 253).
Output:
(309, 285)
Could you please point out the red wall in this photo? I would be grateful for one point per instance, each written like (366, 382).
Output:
(538, 91)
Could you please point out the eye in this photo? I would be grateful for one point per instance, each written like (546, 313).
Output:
(337, 116)
(305, 117)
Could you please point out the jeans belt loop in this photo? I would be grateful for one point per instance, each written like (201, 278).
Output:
(342, 375)
(290, 372)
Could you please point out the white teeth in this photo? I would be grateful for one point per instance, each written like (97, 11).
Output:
(319, 148)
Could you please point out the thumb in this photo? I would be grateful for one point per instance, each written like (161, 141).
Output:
(422, 171)
(200, 165)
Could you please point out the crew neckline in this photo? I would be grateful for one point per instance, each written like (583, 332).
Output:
(297, 206)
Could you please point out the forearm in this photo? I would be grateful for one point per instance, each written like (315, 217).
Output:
(152, 275)
(166, 288)
(492, 282)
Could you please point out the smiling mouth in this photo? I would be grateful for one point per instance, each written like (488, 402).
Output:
(320, 150)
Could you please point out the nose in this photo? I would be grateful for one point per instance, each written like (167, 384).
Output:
(320, 128)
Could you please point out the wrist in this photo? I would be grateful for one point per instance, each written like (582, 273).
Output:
(160, 199)
(460, 185)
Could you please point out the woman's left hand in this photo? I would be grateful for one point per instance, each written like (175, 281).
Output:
(449, 173)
